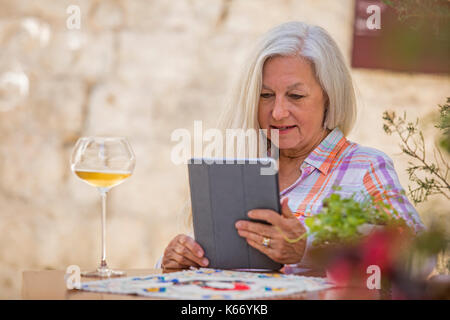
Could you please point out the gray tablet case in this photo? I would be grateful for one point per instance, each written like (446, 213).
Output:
(222, 194)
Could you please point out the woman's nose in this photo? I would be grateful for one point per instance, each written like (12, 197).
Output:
(279, 110)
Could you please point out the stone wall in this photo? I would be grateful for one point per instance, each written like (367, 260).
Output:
(140, 69)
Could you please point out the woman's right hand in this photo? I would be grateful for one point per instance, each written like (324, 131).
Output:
(183, 252)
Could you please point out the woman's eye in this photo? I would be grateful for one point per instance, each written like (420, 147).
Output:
(266, 95)
(296, 96)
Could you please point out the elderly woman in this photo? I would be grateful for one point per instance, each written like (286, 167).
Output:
(297, 82)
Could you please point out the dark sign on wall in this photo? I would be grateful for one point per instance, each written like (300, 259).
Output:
(383, 38)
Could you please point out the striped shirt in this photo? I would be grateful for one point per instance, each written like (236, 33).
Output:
(359, 171)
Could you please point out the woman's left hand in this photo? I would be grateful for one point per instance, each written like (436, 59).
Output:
(284, 228)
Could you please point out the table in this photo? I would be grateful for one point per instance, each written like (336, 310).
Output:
(50, 285)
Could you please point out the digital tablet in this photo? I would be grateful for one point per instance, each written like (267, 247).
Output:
(222, 192)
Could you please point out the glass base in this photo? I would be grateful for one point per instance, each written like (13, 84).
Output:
(103, 273)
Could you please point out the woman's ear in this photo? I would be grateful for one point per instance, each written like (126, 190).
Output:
(325, 113)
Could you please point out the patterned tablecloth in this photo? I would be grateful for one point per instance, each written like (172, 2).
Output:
(208, 284)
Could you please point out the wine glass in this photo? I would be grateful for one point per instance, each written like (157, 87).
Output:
(103, 162)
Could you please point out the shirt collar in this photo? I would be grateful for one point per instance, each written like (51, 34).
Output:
(323, 155)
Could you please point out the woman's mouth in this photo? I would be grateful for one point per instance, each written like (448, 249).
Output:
(283, 129)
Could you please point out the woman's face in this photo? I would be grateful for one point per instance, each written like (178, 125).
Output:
(293, 102)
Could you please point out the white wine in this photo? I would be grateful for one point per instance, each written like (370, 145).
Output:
(102, 162)
(102, 179)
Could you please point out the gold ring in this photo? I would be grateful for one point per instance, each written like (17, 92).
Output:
(266, 242)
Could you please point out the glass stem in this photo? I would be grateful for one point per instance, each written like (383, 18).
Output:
(103, 262)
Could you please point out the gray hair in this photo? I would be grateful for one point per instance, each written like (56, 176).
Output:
(312, 43)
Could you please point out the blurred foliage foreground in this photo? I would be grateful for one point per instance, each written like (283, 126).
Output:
(350, 237)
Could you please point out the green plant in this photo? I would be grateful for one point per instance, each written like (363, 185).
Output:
(341, 219)
(428, 177)
(444, 125)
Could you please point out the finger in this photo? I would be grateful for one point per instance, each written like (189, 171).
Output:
(175, 260)
(172, 264)
(169, 263)
(251, 236)
(285, 210)
(270, 216)
(255, 227)
(190, 243)
(258, 246)
(184, 251)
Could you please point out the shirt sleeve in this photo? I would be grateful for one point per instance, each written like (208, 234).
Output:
(381, 179)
